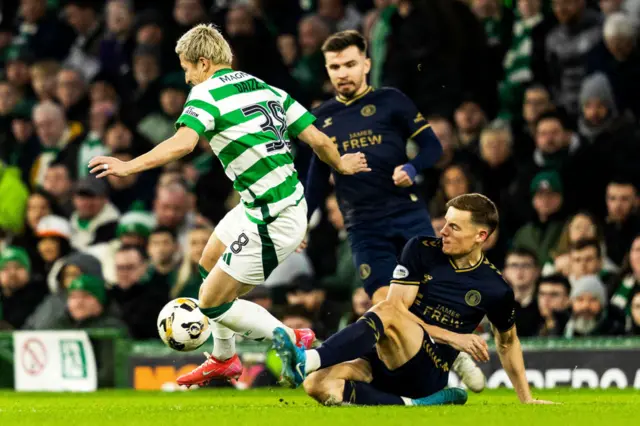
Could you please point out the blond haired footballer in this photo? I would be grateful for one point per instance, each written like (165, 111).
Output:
(248, 124)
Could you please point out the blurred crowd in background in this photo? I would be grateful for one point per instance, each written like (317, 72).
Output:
(535, 102)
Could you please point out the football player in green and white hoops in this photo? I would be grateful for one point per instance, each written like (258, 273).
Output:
(248, 124)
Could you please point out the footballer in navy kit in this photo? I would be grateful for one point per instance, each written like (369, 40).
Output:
(440, 291)
(381, 208)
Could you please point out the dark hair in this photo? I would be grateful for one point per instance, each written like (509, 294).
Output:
(584, 243)
(555, 279)
(123, 151)
(524, 252)
(622, 180)
(557, 115)
(534, 85)
(53, 206)
(137, 249)
(293, 311)
(164, 230)
(483, 210)
(343, 39)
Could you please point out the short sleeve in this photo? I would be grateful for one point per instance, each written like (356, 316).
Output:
(199, 113)
(297, 116)
(503, 314)
(409, 270)
(410, 119)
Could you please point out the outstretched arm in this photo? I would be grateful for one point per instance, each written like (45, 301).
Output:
(174, 148)
(326, 150)
(510, 353)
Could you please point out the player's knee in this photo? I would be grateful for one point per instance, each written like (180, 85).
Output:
(387, 311)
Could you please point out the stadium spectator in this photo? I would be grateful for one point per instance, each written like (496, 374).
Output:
(496, 168)
(598, 111)
(99, 114)
(255, 49)
(133, 229)
(443, 129)
(164, 254)
(20, 294)
(606, 133)
(623, 222)
(324, 313)
(146, 73)
(95, 218)
(25, 147)
(8, 100)
(188, 280)
(296, 316)
(340, 15)
(565, 51)
(72, 267)
(71, 93)
(150, 30)
(536, 101)
(618, 57)
(607, 7)
(585, 258)
(496, 20)
(521, 271)
(186, 14)
(39, 205)
(43, 79)
(634, 329)
(159, 125)
(590, 313)
(139, 293)
(172, 210)
(17, 63)
(130, 192)
(117, 46)
(629, 278)
(13, 201)
(456, 179)
(528, 33)
(84, 17)
(360, 303)
(581, 226)
(59, 140)
(470, 119)
(53, 234)
(554, 304)
(555, 145)
(87, 308)
(541, 234)
(309, 71)
(57, 182)
(41, 31)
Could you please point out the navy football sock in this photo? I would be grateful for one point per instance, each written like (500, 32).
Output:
(361, 393)
(352, 342)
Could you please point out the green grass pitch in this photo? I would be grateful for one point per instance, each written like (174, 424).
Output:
(285, 407)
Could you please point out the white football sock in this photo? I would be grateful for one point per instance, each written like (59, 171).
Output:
(252, 321)
(313, 361)
(224, 341)
(407, 401)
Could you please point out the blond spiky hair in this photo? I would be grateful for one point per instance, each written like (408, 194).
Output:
(204, 41)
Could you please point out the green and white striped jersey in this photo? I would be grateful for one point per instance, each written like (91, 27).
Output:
(248, 124)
